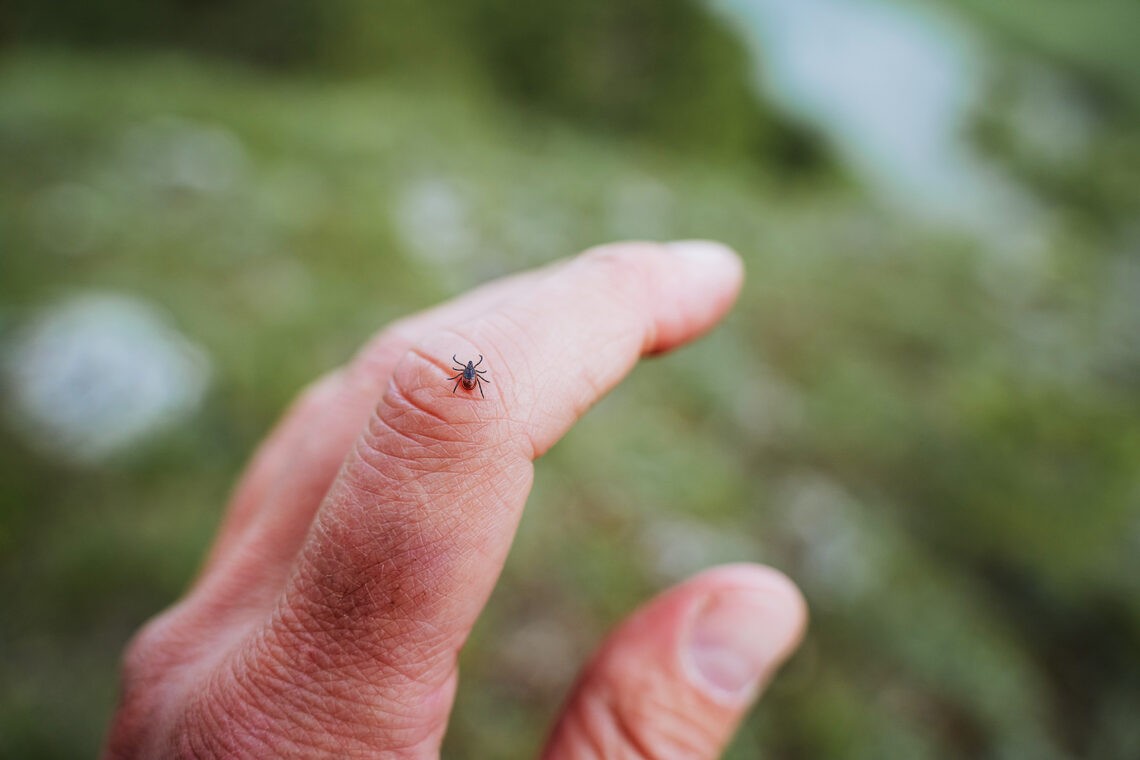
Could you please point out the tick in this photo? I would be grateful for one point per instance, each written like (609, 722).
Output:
(468, 376)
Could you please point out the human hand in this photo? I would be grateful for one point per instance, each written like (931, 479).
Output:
(367, 534)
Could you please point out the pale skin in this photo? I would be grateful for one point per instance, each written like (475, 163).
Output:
(371, 526)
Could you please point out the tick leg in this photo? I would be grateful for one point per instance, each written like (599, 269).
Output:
(454, 359)
(478, 362)
(481, 371)
(481, 390)
(457, 375)
(483, 380)
(456, 385)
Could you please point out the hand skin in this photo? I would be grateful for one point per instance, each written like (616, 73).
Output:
(369, 529)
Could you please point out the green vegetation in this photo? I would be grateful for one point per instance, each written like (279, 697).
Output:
(938, 440)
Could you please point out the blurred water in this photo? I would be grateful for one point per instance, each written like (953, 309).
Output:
(893, 89)
(99, 372)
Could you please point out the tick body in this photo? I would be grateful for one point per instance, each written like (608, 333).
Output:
(467, 376)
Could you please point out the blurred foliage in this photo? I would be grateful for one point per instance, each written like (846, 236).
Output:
(938, 440)
(655, 68)
(1095, 41)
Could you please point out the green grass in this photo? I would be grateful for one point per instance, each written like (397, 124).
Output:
(938, 441)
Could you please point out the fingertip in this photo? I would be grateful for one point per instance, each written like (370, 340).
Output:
(763, 578)
(676, 677)
(747, 620)
(703, 264)
(709, 255)
(688, 285)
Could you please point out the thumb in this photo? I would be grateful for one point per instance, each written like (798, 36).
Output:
(676, 677)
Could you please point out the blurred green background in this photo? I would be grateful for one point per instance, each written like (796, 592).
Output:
(925, 408)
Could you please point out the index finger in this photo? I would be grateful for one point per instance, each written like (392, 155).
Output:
(412, 535)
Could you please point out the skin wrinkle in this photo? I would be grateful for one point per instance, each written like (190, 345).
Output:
(611, 734)
(382, 424)
(586, 722)
(379, 464)
(591, 738)
(437, 336)
(626, 722)
(360, 704)
(431, 360)
(421, 653)
(649, 687)
(409, 522)
(378, 456)
(397, 389)
(514, 328)
(399, 548)
(408, 331)
(278, 683)
(514, 334)
(356, 485)
(314, 725)
(415, 444)
(424, 495)
(326, 683)
(219, 704)
(380, 355)
(511, 337)
(369, 707)
(625, 726)
(374, 357)
(399, 423)
(424, 444)
(402, 413)
(422, 489)
(672, 736)
(357, 648)
(518, 342)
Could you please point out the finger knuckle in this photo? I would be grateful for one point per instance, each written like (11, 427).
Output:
(420, 423)
(150, 653)
(641, 724)
(147, 670)
(626, 254)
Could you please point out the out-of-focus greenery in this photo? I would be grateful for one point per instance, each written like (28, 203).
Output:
(664, 69)
(939, 441)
